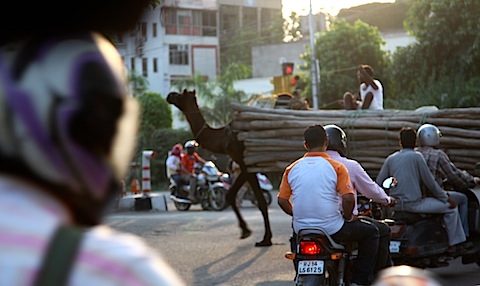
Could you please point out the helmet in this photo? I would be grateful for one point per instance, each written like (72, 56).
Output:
(191, 144)
(428, 135)
(177, 150)
(66, 120)
(337, 139)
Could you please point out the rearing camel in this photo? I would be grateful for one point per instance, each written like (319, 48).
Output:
(224, 141)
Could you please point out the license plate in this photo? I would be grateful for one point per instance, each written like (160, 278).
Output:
(395, 246)
(310, 267)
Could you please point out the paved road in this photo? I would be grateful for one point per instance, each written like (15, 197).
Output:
(204, 246)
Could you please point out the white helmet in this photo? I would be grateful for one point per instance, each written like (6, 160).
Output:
(428, 135)
(66, 120)
(191, 144)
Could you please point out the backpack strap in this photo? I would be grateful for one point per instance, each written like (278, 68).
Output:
(58, 259)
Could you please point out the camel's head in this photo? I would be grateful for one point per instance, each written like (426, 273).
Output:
(185, 101)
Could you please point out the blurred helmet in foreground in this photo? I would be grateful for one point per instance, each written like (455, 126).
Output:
(337, 139)
(428, 135)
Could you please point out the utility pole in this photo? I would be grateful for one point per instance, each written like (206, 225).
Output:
(313, 59)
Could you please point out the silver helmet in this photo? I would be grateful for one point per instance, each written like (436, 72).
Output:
(428, 135)
(337, 139)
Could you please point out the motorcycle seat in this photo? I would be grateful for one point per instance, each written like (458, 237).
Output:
(320, 232)
(411, 218)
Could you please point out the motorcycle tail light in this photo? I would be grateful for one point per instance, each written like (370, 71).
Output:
(309, 247)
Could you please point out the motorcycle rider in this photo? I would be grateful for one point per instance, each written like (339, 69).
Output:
(315, 183)
(428, 136)
(174, 166)
(188, 161)
(410, 169)
(337, 150)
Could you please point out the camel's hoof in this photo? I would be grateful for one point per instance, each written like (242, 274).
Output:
(264, 243)
(245, 233)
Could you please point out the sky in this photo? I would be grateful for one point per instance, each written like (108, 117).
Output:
(302, 7)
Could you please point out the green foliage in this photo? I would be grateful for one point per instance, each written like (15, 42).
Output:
(292, 28)
(384, 16)
(160, 141)
(443, 68)
(217, 96)
(339, 51)
(155, 112)
(139, 84)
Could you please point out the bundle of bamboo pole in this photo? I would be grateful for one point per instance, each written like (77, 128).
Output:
(273, 138)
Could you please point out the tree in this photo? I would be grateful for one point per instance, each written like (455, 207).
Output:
(443, 67)
(292, 28)
(216, 96)
(137, 82)
(340, 50)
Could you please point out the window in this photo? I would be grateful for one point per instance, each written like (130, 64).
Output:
(143, 28)
(155, 65)
(154, 30)
(209, 21)
(184, 21)
(144, 67)
(178, 54)
(132, 64)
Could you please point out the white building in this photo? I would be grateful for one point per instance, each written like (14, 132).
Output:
(177, 39)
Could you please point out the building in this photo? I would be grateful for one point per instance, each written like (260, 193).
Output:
(177, 39)
(181, 38)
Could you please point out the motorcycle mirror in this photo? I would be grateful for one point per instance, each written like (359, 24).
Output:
(389, 183)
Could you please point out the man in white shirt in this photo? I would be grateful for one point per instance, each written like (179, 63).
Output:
(337, 150)
(371, 92)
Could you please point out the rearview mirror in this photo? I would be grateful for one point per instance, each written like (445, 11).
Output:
(389, 183)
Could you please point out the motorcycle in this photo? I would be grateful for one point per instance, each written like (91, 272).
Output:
(209, 192)
(320, 260)
(246, 192)
(420, 240)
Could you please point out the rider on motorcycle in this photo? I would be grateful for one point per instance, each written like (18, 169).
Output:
(411, 171)
(337, 150)
(444, 170)
(174, 166)
(188, 160)
(317, 184)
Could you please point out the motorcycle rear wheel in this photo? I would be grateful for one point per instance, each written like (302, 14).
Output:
(217, 199)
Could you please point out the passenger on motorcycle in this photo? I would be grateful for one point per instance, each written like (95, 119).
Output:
(337, 150)
(315, 183)
(188, 161)
(174, 166)
(445, 171)
(411, 171)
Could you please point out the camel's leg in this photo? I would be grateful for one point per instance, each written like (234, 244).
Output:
(262, 206)
(231, 199)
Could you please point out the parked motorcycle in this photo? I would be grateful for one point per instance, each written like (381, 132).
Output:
(246, 192)
(320, 260)
(420, 240)
(210, 191)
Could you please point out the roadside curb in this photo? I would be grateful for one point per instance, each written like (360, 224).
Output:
(143, 202)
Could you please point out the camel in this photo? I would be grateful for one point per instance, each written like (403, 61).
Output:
(223, 141)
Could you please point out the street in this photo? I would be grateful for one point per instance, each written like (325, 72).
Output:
(205, 249)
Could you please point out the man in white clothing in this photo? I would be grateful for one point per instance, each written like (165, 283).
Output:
(370, 92)
(337, 150)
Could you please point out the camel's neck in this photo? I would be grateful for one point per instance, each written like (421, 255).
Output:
(212, 139)
(196, 121)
